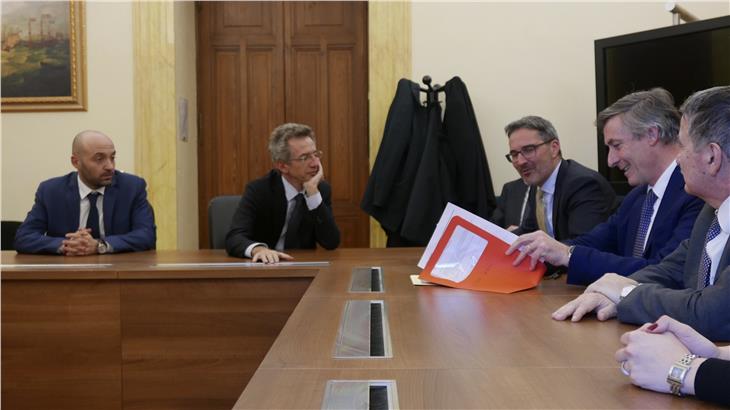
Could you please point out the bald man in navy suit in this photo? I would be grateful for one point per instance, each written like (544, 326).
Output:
(94, 210)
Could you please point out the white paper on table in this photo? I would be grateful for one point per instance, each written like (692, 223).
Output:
(452, 210)
(418, 282)
(460, 255)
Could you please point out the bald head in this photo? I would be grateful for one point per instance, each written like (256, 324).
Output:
(85, 138)
(93, 155)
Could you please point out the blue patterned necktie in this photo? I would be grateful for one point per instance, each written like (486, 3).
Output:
(705, 262)
(92, 222)
(647, 210)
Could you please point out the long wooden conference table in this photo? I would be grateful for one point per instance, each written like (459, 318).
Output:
(200, 330)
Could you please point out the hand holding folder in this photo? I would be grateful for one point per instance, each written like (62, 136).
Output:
(470, 254)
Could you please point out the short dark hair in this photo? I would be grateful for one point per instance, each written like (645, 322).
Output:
(279, 140)
(644, 110)
(707, 113)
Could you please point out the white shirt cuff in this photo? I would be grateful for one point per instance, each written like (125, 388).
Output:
(248, 251)
(314, 201)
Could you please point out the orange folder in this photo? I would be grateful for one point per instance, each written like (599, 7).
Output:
(493, 272)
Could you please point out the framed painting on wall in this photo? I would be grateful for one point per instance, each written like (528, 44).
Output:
(43, 56)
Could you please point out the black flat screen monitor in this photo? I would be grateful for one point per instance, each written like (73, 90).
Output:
(682, 59)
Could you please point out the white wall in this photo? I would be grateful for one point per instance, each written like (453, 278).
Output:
(37, 146)
(530, 58)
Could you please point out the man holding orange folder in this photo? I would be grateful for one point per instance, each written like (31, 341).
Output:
(640, 131)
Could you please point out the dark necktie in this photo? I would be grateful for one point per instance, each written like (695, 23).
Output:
(92, 222)
(291, 241)
(646, 212)
(705, 262)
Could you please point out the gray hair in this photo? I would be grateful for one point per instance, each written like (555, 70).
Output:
(533, 122)
(644, 110)
(279, 140)
(707, 113)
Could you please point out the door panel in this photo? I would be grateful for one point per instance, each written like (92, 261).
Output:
(326, 57)
(240, 93)
(264, 63)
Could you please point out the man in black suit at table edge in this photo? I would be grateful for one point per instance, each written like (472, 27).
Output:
(290, 207)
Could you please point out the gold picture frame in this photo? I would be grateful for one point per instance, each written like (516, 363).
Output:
(43, 56)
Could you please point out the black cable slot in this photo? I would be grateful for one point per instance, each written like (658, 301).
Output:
(377, 340)
(376, 280)
(378, 398)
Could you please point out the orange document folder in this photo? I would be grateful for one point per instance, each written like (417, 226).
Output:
(469, 257)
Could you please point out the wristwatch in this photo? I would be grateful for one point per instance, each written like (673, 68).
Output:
(102, 247)
(570, 252)
(626, 290)
(678, 372)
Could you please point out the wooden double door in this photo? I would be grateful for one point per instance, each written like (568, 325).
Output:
(261, 64)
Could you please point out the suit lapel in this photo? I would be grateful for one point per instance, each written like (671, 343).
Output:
(110, 195)
(633, 227)
(558, 196)
(724, 258)
(73, 202)
(279, 201)
(675, 185)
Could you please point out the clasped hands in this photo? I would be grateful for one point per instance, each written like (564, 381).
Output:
(79, 243)
(649, 351)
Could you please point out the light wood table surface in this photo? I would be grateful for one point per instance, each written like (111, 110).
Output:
(131, 333)
(452, 348)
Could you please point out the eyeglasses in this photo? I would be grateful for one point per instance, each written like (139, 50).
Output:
(308, 157)
(528, 151)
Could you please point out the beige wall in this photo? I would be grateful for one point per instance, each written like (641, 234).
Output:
(187, 151)
(516, 58)
(529, 58)
(37, 146)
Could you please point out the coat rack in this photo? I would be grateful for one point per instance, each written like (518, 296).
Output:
(432, 96)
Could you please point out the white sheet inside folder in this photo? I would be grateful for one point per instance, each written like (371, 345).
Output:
(451, 211)
(461, 254)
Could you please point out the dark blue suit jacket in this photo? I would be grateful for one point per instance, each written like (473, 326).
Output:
(609, 246)
(129, 222)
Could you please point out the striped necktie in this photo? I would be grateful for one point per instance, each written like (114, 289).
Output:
(706, 263)
(647, 210)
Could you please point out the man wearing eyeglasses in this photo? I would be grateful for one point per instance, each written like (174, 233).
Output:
(290, 207)
(570, 199)
(641, 133)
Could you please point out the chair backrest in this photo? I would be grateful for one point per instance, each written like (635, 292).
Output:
(7, 234)
(220, 214)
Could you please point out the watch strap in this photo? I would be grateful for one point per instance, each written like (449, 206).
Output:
(677, 373)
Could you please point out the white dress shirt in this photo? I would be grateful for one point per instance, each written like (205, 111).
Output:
(84, 192)
(659, 189)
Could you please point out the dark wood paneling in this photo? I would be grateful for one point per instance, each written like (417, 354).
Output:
(326, 56)
(194, 344)
(240, 95)
(264, 63)
(61, 345)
